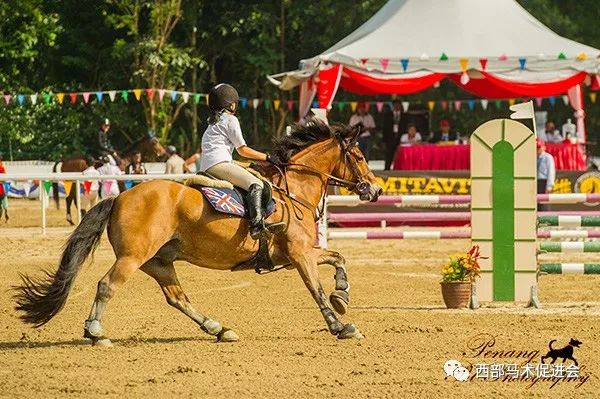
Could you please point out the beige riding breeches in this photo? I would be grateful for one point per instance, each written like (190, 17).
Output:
(234, 174)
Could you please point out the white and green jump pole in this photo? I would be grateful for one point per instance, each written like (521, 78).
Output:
(504, 206)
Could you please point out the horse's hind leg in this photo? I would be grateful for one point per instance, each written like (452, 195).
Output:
(107, 286)
(339, 298)
(164, 274)
(69, 201)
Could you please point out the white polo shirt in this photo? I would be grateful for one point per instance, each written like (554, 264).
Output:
(219, 141)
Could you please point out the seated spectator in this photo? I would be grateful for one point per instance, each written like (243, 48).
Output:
(411, 136)
(552, 134)
(444, 135)
(175, 164)
(136, 167)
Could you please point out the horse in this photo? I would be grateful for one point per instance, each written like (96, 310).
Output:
(159, 222)
(146, 145)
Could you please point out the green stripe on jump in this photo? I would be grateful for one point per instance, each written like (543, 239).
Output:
(554, 246)
(561, 268)
(503, 220)
(586, 221)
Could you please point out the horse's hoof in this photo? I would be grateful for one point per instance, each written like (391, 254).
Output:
(227, 336)
(104, 342)
(70, 220)
(212, 327)
(350, 331)
(339, 301)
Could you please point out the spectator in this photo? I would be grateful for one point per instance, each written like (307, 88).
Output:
(391, 132)
(193, 159)
(366, 122)
(90, 198)
(444, 135)
(411, 136)
(175, 164)
(545, 172)
(110, 187)
(3, 195)
(551, 134)
(136, 167)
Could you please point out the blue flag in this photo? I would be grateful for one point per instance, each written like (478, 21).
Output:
(99, 95)
(174, 96)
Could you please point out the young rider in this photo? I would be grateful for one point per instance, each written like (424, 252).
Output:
(222, 136)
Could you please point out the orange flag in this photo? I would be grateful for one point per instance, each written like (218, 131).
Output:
(68, 185)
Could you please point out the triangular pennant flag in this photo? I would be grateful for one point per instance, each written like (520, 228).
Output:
(464, 64)
(47, 98)
(424, 57)
(552, 100)
(290, 105)
(471, 104)
(60, 97)
(255, 102)
(125, 95)
(86, 97)
(457, 105)
(185, 96)
(498, 104)
(444, 104)
(405, 105)
(7, 98)
(484, 103)
(522, 63)
(244, 102)
(67, 185)
(562, 56)
(128, 184)
(20, 99)
(197, 98)
(538, 102)
(503, 57)
(267, 104)
(27, 188)
(73, 97)
(581, 56)
(404, 63)
(443, 57)
(379, 105)
(6, 187)
(47, 186)
(276, 104)
(565, 99)
(384, 63)
(363, 61)
(138, 94)
(33, 98)
(483, 62)
(593, 97)
(150, 94)
(99, 96)
(341, 105)
(511, 101)
(107, 186)
(464, 78)
(206, 98)
(522, 111)
(161, 94)
(87, 186)
(173, 96)
(431, 105)
(112, 94)
(353, 105)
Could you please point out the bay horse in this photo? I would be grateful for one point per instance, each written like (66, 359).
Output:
(159, 222)
(147, 145)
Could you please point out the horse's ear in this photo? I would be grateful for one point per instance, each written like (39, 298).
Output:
(353, 135)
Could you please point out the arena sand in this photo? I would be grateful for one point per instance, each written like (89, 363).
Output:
(284, 350)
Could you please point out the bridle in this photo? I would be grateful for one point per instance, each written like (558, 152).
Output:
(361, 186)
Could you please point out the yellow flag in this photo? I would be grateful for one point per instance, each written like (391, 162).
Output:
(68, 185)
(464, 64)
(353, 105)
(60, 97)
(582, 56)
(137, 93)
(430, 105)
(276, 104)
(593, 97)
(511, 101)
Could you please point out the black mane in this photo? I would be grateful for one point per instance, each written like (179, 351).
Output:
(303, 136)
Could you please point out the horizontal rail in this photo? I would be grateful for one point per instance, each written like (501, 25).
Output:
(570, 246)
(570, 268)
(587, 219)
(81, 177)
(398, 235)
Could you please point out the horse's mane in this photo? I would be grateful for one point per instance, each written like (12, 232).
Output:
(303, 136)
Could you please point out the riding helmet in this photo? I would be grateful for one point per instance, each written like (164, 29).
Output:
(222, 96)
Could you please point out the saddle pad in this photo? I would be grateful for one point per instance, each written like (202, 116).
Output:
(229, 201)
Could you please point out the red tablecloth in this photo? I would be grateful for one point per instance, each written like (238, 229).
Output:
(457, 157)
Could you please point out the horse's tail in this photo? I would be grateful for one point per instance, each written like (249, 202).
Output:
(41, 299)
(54, 186)
(550, 344)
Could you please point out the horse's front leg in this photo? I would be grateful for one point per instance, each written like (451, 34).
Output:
(340, 298)
(306, 263)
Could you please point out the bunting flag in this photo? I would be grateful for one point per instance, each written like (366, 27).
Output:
(444, 105)
(503, 57)
(112, 94)
(565, 99)
(107, 186)
(379, 105)
(244, 102)
(498, 104)
(6, 186)
(60, 97)
(424, 57)
(582, 56)
(341, 105)
(185, 96)
(431, 105)
(457, 105)
(552, 101)
(150, 94)
(484, 103)
(161, 94)
(290, 105)
(125, 95)
(206, 98)
(405, 105)
(73, 97)
(20, 99)
(522, 63)
(7, 98)
(138, 94)
(197, 98)
(315, 104)
(593, 97)
(87, 186)
(353, 105)
(86, 97)
(255, 102)
(33, 98)
(471, 104)
(99, 96)
(67, 185)
(276, 104)
(404, 63)
(483, 62)
(443, 57)
(464, 78)
(464, 64)
(47, 186)
(47, 98)
(173, 96)
(267, 104)
(562, 56)
(128, 184)
(538, 101)
(384, 63)
(363, 61)
(511, 101)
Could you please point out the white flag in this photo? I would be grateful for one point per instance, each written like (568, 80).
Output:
(484, 103)
(565, 99)
(186, 96)
(34, 99)
(320, 113)
(255, 103)
(112, 94)
(405, 105)
(522, 111)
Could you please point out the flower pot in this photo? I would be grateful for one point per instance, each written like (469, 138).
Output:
(456, 294)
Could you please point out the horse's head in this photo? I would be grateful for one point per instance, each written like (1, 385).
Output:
(353, 167)
(153, 144)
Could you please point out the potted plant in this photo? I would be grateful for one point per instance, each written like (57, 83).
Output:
(458, 275)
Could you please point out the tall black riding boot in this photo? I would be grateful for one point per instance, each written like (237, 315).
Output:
(255, 212)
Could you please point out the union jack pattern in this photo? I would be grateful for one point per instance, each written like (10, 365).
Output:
(224, 200)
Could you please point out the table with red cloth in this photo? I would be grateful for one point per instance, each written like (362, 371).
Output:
(457, 157)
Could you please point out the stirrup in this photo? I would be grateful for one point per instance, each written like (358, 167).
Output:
(276, 228)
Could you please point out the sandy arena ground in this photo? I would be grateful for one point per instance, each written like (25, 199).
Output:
(284, 349)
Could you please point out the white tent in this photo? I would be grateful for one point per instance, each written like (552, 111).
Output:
(492, 48)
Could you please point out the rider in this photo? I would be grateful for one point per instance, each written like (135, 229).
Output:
(106, 147)
(221, 137)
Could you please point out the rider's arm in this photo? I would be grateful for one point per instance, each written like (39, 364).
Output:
(249, 153)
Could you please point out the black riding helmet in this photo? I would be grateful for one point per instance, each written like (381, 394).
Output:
(221, 97)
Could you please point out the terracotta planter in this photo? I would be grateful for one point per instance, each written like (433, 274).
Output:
(456, 294)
